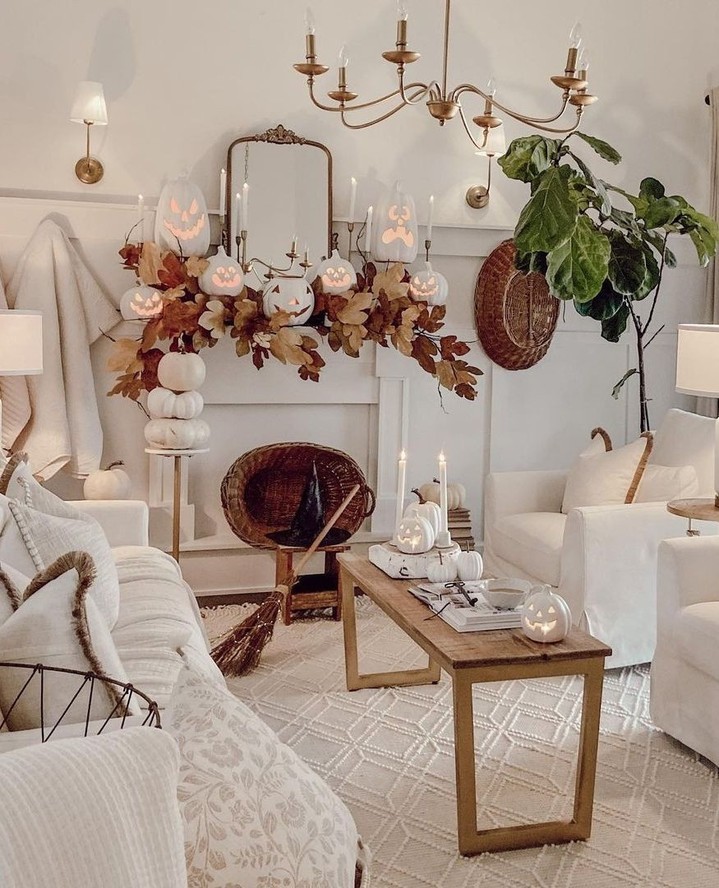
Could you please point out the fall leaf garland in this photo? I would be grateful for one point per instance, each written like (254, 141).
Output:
(379, 310)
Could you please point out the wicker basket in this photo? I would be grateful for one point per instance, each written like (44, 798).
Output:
(262, 489)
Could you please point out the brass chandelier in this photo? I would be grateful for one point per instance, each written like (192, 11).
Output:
(444, 103)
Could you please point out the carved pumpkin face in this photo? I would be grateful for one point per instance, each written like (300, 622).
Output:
(429, 286)
(396, 238)
(545, 616)
(181, 221)
(291, 294)
(222, 277)
(336, 275)
(414, 535)
(141, 303)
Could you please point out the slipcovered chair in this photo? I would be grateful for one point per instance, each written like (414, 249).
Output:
(685, 669)
(601, 559)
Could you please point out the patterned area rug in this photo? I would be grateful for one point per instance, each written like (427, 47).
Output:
(389, 754)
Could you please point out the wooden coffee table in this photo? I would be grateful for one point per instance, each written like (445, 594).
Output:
(474, 657)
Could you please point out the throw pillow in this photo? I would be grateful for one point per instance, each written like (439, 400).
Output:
(58, 624)
(660, 484)
(18, 482)
(254, 813)
(607, 478)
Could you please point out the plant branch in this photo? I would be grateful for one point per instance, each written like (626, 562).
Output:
(654, 336)
(659, 284)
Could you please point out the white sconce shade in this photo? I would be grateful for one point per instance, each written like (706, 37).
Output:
(698, 359)
(496, 143)
(89, 105)
(20, 343)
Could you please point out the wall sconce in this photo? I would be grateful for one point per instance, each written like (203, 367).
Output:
(89, 108)
(494, 145)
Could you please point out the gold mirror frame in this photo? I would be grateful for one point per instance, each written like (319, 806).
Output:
(278, 135)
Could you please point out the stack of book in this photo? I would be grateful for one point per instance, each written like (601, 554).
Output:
(460, 527)
(465, 610)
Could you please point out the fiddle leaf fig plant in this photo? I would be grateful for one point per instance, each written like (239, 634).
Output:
(607, 259)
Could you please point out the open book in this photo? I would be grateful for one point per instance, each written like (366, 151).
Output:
(468, 611)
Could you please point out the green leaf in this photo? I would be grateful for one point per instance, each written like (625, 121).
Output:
(627, 265)
(529, 157)
(603, 204)
(577, 269)
(651, 189)
(660, 212)
(704, 244)
(670, 260)
(651, 278)
(603, 149)
(618, 387)
(548, 219)
(613, 327)
(604, 305)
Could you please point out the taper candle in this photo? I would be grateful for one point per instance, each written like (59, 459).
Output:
(401, 481)
(245, 205)
(353, 198)
(223, 188)
(430, 217)
(444, 523)
(238, 213)
(141, 218)
(368, 232)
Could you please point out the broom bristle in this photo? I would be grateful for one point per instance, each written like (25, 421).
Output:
(238, 651)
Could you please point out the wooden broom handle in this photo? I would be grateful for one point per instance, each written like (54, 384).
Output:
(326, 529)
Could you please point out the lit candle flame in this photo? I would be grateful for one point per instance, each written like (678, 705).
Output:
(402, 455)
(442, 457)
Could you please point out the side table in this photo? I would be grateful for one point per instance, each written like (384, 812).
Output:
(699, 509)
(311, 590)
(176, 490)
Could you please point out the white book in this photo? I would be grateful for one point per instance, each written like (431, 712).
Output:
(456, 610)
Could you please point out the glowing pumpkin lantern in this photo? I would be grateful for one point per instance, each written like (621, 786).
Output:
(429, 286)
(223, 276)
(141, 303)
(414, 535)
(395, 231)
(336, 275)
(181, 220)
(291, 294)
(545, 615)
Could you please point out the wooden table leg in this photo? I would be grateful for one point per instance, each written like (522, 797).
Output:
(283, 569)
(588, 744)
(332, 571)
(176, 506)
(465, 775)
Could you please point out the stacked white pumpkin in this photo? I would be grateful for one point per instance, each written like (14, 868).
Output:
(175, 407)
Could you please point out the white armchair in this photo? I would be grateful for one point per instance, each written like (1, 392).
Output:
(602, 559)
(685, 669)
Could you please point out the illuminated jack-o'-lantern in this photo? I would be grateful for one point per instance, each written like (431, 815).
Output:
(429, 511)
(223, 276)
(336, 275)
(429, 286)
(141, 303)
(545, 615)
(291, 294)
(181, 220)
(395, 229)
(414, 535)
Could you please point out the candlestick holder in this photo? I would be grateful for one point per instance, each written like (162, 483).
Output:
(444, 540)
(427, 248)
(350, 230)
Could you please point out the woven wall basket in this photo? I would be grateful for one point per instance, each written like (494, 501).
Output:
(263, 488)
(515, 313)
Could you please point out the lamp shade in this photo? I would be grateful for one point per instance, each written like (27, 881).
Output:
(698, 359)
(20, 343)
(496, 143)
(89, 104)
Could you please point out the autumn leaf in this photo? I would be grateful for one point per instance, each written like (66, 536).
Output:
(171, 272)
(355, 312)
(455, 373)
(451, 347)
(245, 311)
(180, 318)
(391, 282)
(150, 263)
(151, 360)
(130, 255)
(242, 347)
(173, 294)
(213, 319)
(280, 319)
(123, 358)
(195, 266)
(423, 351)
(286, 346)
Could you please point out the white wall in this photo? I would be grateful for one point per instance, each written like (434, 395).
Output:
(183, 79)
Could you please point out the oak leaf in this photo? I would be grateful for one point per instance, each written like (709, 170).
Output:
(355, 312)
(195, 265)
(172, 272)
(391, 282)
(286, 346)
(213, 319)
(150, 263)
(123, 358)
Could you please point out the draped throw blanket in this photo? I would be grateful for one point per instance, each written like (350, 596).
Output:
(57, 424)
(708, 406)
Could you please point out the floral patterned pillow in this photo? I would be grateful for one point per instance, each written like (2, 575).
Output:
(254, 814)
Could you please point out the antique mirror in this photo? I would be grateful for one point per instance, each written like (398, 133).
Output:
(288, 194)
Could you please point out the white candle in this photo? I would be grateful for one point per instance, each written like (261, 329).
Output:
(238, 214)
(430, 217)
(223, 189)
(353, 198)
(401, 480)
(245, 205)
(444, 524)
(368, 232)
(293, 248)
(141, 218)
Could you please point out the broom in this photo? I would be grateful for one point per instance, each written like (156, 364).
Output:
(238, 651)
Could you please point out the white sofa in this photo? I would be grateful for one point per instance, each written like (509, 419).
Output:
(601, 559)
(685, 668)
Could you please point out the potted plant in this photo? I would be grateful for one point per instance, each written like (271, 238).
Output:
(608, 260)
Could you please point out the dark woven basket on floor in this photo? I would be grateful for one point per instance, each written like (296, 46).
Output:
(263, 488)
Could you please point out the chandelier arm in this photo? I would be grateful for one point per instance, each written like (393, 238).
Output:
(336, 109)
(522, 118)
(467, 129)
(358, 126)
(422, 90)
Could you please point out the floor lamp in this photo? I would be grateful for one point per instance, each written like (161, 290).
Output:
(20, 345)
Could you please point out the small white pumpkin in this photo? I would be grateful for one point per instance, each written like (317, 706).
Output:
(444, 571)
(456, 494)
(112, 483)
(291, 294)
(429, 286)
(140, 303)
(223, 276)
(177, 434)
(545, 615)
(469, 566)
(430, 511)
(181, 220)
(181, 372)
(162, 402)
(414, 535)
(336, 275)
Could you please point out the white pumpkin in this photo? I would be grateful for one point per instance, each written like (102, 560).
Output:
(429, 286)
(162, 402)
(177, 434)
(456, 494)
(337, 275)
(545, 615)
(430, 511)
(181, 372)
(469, 566)
(181, 221)
(141, 303)
(444, 571)
(112, 483)
(395, 228)
(223, 276)
(414, 535)
(291, 294)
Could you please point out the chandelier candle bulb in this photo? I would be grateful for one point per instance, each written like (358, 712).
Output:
(353, 200)
(223, 188)
(141, 217)
(402, 16)
(401, 483)
(342, 73)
